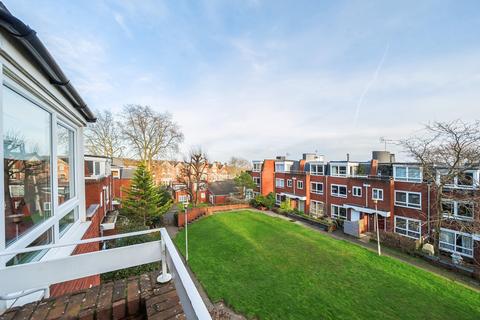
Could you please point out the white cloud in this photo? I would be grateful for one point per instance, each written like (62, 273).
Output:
(120, 20)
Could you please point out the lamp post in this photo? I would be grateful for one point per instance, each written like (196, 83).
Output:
(185, 205)
(376, 226)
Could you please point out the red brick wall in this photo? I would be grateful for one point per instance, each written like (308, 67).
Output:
(194, 213)
(120, 187)
(268, 177)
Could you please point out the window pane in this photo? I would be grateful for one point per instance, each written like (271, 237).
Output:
(413, 226)
(414, 173)
(67, 221)
(65, 164)
(414, 199)
(448, 237)
(45, 238)
(465, 210)
(401, 197)
(401, 223)
(465, 179)
(400, 172)
(27, 156)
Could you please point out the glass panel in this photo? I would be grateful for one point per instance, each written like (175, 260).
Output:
(65, 164)
(413, 173)
(342, 170)
(414, 199)
(45, 238)
(447, 208)
(448, 237)
(401, 223)
(67, 221)
(465, 179)
(465, 210)
(401, 172)
(401, 197)
(413, 226)
(27, 156)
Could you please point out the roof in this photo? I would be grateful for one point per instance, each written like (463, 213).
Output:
(222, 187)
(41, 58)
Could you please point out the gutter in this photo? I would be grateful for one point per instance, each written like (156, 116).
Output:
(44, 60)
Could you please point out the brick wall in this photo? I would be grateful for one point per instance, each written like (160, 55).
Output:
(195, 213)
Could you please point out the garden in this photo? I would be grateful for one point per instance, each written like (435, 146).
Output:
(269, 268)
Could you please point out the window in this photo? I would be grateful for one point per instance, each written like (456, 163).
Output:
(338, 170)
(105, 196)
(317, 169)
(257, 167)
(202, 195)
(116, 174)
(339, 212)
(406, 173)
(183, 198)
(279, 167)
(408, 199)
(299, 184)
(289, 183)
(278, 198)
(357, 191)
(317, 187)
(462, 210)
(316, 208)
(338, 190)
(257, 181)
(93, 168)
(27, 159)
(377, 194)
(211, 198)
(408, 227)
(101, 198)
(279, 183)
(467, 179)
(43, 239)
(67, 221)
(454, 241)
(65, 164)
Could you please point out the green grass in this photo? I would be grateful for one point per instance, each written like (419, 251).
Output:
(273, 269)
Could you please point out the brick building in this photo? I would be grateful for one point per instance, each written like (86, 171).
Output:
(354, 192)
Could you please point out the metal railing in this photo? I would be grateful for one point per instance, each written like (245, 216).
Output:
(20, 280)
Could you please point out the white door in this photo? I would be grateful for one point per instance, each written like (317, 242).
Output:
(354, 215)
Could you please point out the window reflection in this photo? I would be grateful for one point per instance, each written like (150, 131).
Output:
(67, 221)
(65, 164)
(27, 156)
(45, 238)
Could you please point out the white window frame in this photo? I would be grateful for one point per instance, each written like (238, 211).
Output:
(338, 194)
(289, 183)
(445, 245)
(407, 204)
(338, 170)
(314, 207)
(378, 191)
(313, 189)
(356, 191)
(407, 227)
(338, 216)
(278, 198)
(279, 183)
(455, 207)
(58, 211)
(257, 181)
(300, 184)
(316, 172)
(407, 178)
(255, 164)
(456, 185)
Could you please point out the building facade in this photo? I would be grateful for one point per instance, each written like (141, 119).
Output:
(355, 192)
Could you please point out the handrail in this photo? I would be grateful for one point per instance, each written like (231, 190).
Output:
(79, 242)
(194, 307)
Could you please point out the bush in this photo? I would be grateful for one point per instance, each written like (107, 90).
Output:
(398, 241)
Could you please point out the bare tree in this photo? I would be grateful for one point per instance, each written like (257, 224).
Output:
(103, 137)
(150, 134)
(447, 152)
(194, 172)
(237, 165)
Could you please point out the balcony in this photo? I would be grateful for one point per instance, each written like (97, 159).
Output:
(35, 278)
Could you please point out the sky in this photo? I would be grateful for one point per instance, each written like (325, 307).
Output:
(256, 79)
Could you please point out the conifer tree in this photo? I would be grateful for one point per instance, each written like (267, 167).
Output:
(144, 202)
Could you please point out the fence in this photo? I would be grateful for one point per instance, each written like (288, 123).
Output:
(195, 213)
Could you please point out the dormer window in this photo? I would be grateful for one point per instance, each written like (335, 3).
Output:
(317, 169)
(338, 170)
(257, 167)
(407, 173)
(467, 179)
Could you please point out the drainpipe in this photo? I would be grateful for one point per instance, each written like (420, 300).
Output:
(428, 208)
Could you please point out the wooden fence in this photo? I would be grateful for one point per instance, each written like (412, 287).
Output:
(195, 213)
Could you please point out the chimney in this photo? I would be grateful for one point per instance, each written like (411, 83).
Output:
(392, 157)
(348, 157)
(373, 167)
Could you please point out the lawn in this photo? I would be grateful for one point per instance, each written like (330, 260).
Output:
(273, 269)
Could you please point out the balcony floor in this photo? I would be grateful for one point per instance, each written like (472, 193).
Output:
(139, 297)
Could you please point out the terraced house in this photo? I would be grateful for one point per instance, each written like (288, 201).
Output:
(355, 191)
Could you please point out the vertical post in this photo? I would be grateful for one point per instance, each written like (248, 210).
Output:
(164, 277)
(186, 233)
(378, 230)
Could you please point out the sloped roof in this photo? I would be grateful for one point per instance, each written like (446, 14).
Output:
(225, 187)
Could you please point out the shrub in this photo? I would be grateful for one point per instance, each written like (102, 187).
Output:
(395, 240)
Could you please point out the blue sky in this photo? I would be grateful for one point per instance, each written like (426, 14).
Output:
(261, 78)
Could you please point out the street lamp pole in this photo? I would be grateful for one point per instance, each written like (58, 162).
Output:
(376, 226)
(186, 231)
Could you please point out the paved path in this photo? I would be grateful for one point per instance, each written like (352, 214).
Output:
(415, 261)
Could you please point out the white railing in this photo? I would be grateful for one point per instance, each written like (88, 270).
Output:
(19, 280)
